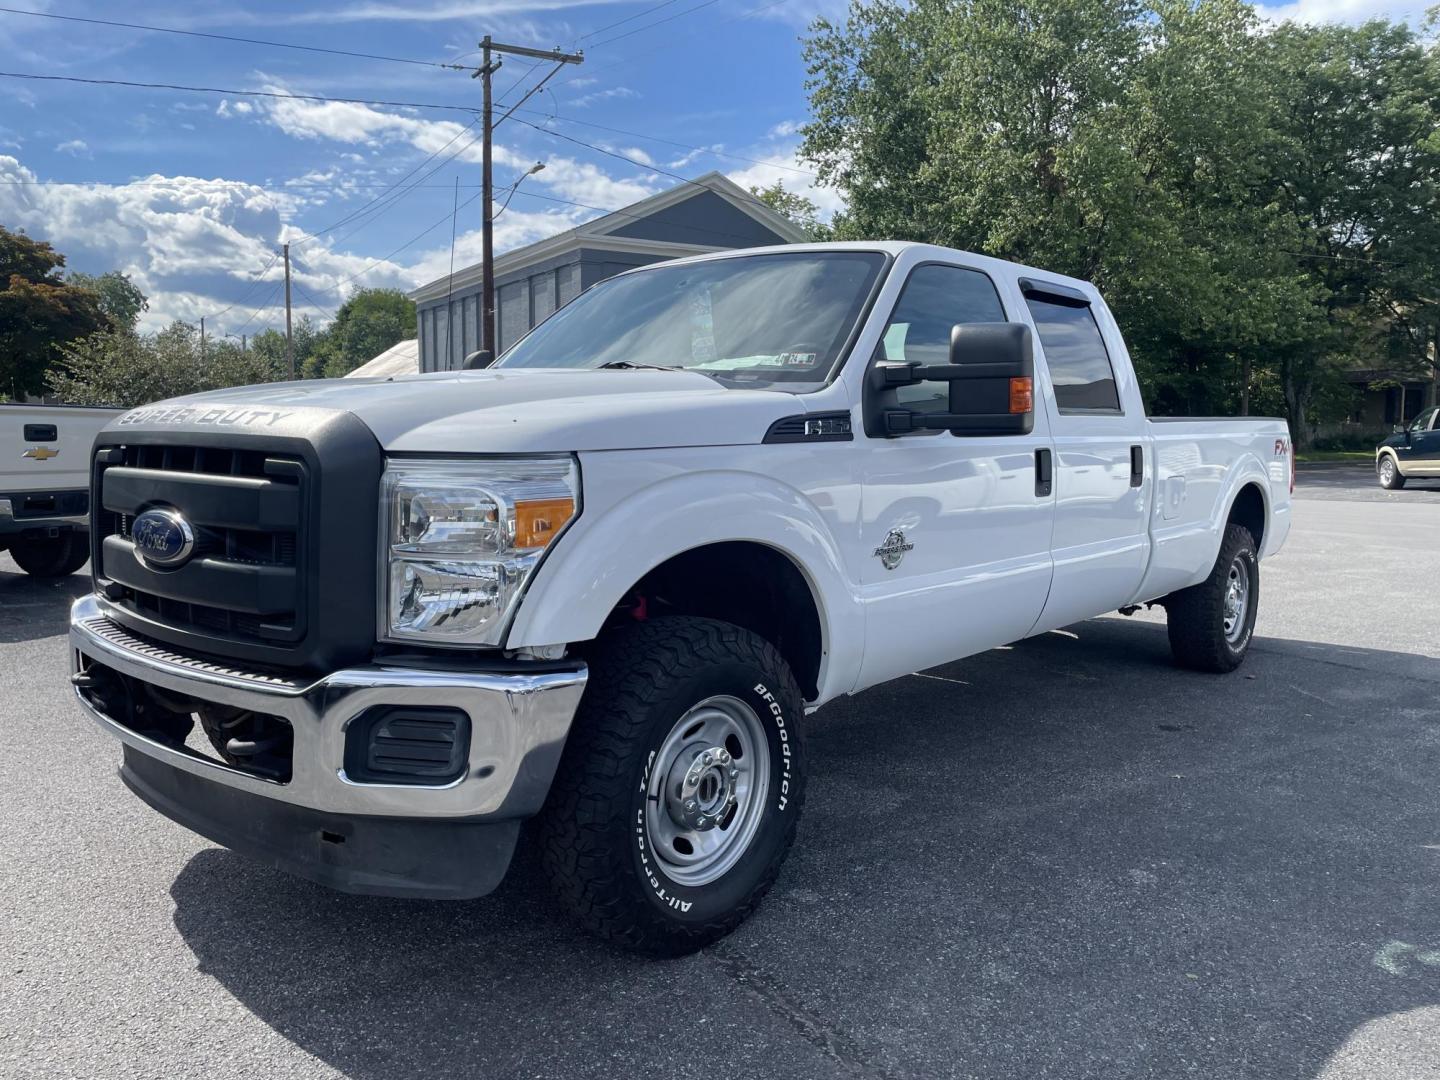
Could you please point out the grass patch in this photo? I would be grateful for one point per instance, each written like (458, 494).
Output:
(1305, 457)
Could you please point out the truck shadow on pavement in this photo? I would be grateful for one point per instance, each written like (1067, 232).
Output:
(1065, 859)
(33, 608)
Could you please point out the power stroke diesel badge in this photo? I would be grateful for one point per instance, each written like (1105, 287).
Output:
(893, 549)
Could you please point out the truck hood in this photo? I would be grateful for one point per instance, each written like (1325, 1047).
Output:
(510, 411)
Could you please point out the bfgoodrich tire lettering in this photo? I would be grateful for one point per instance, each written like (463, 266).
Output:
(598, 848)
(1212, 624)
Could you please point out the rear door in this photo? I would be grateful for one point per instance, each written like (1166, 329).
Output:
(955, 533)
(1102, 467)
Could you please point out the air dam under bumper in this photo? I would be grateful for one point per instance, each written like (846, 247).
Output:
(444, 841)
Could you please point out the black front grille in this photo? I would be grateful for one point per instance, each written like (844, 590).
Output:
(243, 581)
(282, 502)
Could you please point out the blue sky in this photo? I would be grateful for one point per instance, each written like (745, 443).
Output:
(191, 193)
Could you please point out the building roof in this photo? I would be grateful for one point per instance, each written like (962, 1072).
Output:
(402, 358)
(607, 233)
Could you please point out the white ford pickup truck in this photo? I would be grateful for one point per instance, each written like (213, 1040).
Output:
(45, 484)
(362, 630)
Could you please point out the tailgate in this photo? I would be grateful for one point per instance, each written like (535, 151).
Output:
(46, 448)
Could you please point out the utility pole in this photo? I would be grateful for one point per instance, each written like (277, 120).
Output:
(488, 67)
(289, 344)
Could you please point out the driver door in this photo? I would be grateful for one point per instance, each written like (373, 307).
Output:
(954, 530)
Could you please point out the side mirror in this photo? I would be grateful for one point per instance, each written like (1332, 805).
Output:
(992, 384)
(480, 358)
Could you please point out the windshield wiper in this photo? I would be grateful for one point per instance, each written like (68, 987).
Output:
(616, 365)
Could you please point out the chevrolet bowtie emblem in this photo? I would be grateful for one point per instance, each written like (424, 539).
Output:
(41, 453)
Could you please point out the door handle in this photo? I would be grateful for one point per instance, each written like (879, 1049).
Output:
(1137, 466)
(1044, 473)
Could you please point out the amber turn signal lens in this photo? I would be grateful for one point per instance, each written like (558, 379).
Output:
(1022, 395)
(538, 521)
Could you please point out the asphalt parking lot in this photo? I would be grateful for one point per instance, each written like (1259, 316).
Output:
(1063, 859)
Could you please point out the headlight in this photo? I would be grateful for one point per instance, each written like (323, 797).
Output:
(462, 537)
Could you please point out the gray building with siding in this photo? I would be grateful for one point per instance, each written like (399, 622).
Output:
(704, 215)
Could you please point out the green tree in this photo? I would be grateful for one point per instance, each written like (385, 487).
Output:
(124, 369)
(1204, 170)
(1356, 165)
(306, 335)
(39, 312)
(120, 299)
(368, 323)
(801, 210)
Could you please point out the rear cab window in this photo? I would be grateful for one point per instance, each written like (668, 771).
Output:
(1080, 367)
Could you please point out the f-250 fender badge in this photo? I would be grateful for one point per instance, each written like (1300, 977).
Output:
(893, 549)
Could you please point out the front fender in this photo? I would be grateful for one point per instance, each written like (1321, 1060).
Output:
(614, 544)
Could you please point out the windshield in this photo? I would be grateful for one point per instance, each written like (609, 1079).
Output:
(768, 320)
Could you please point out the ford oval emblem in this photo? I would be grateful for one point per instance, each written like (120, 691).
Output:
(162, 538)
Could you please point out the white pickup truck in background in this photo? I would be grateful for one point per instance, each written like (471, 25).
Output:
(45, 484)
(609, 578)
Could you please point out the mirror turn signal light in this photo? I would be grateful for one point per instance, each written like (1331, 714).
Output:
(1022, 395)
(539, 521)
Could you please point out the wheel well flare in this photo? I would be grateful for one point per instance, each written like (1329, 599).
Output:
(740, 582)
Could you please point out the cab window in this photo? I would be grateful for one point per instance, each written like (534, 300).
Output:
(1425, 420)
(1075, 353)
(935, 298)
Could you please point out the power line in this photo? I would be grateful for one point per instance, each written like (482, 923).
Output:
(417, 237)
(325, 309)
(391, 201)
(637, 162)
(269, 302)
(667, 142)
(227, 37)
(657, 22)
(234, 93)
(626, 60)
(622, 22)
(255, 279)
(360, 210)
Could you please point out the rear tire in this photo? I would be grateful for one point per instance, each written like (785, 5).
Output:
(678, 794)
(1388, 472)
(52, 557)
(1212, 624)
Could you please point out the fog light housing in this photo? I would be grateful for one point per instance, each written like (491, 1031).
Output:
(417, 745)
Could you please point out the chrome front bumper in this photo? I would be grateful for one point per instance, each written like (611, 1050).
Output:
(518, 725)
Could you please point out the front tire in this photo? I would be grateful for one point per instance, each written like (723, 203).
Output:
(680, 787)
(53, 556)
(1212, 624)
(1388, 472)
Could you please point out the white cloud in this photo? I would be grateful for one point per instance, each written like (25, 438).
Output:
(351, 124)
(778, 161)
(234, 108)
(585, 100)
(190, 244)
(1341, 11)
(439, 12)
(74, 147)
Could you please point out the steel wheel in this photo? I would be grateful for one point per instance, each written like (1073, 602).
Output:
(707, 790)
(1387, 471)
(1237, 600)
